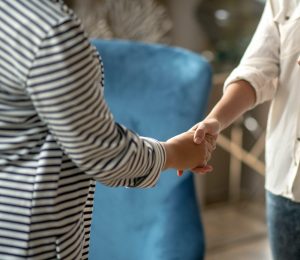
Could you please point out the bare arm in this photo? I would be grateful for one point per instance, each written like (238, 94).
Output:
(239, 97)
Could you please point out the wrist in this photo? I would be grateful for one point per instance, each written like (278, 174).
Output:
(219, 122)
(169, 151)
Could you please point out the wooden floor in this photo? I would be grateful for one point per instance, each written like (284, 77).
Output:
(236, 232)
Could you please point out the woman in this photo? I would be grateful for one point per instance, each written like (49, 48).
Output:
(57, 135)
(269, 70)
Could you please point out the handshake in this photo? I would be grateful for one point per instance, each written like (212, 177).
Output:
(192, 149)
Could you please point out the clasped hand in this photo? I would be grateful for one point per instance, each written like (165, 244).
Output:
(183, 153)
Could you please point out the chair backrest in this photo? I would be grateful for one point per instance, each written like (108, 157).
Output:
(157, 91)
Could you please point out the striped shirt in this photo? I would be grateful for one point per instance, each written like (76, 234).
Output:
(57, 135)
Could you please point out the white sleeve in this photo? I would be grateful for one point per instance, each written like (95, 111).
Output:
(260, 63)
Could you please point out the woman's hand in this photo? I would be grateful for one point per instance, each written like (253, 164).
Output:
(210, 127)
(183, 153)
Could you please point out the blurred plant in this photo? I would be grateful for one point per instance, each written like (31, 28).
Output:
(143, 20)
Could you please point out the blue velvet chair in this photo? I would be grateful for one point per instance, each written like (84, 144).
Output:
(157, 91)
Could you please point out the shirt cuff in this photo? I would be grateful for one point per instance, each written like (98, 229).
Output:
(249, 76)
(159, 159)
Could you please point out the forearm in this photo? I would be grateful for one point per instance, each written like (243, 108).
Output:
(66, 92)
(238, 98)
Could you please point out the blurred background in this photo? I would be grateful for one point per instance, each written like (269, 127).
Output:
(232, 197)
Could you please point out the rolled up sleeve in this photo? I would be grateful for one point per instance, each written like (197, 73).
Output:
(260, 63)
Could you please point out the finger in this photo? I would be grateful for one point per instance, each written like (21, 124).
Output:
(199, 133)
(206, 129)
(179, 173)
(202, 170)
(209, 150)
(208, 156)
(212, 127)
(210, 147)
(211, 138)
(211, 141)
(215, 136)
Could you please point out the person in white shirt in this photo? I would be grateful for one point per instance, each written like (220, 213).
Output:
(269, 70)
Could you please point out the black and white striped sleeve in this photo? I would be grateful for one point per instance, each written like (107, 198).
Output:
(64, 84)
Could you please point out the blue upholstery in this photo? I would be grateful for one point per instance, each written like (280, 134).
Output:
(157, 91)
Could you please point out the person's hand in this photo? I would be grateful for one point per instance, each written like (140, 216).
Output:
(183, 153)
(204, 167)
(207, 129)
(210, 126)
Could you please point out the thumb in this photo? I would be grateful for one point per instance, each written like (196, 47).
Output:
(200, 133)
(210, 126)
